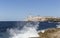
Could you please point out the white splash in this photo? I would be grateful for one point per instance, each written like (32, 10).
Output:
(58, 26)
(28, 31)
(41, 31)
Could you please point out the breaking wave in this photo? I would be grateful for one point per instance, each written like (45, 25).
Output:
(24, 29)
(29, 30)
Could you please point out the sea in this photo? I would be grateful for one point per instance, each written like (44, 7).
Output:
(24, 29)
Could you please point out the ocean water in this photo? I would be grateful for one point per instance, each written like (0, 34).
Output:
(24, 29)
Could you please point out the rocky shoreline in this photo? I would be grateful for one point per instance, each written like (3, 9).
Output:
(50, 33)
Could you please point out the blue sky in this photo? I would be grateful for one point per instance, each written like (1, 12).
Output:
(13, 10)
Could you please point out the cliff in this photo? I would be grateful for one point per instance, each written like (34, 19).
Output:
(46, 18)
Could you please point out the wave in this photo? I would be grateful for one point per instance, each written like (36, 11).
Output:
(29, 30)
(24, 29)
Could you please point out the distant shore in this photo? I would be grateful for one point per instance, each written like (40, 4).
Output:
(39, 18)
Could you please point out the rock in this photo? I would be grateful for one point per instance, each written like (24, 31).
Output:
(50, 33)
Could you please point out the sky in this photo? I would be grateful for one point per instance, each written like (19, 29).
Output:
(17, 10)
